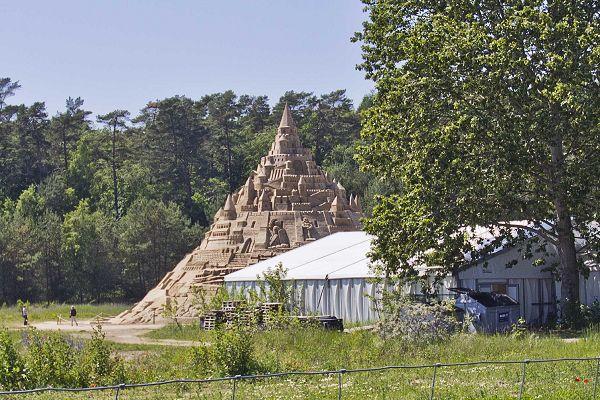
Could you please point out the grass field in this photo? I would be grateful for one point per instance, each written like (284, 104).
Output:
(318, 350)
(172, 331)
(11, 315)
(313, 349)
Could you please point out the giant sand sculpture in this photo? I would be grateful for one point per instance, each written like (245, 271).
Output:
(287, 202)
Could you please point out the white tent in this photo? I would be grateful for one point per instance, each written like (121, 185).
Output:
(331, 276)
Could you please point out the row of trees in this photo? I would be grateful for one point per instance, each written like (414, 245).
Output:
(101, 208)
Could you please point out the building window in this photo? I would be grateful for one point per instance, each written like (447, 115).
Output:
(493, 287)
(513, 292)
(502, 288)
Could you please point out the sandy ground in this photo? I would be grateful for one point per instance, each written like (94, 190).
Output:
(129, 334)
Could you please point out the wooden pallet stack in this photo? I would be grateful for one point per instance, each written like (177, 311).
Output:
(211, 319)
(235, 313)
(269, 310)
(238, 312)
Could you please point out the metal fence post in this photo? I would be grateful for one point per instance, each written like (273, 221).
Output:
(596, 378)
(235, 378)
(119, 387)
(340, 372)
(432, 393)
(522, 386)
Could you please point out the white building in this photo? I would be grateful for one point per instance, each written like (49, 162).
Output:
(332, 276)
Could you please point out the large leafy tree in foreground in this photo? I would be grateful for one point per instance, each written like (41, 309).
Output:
(487, 112)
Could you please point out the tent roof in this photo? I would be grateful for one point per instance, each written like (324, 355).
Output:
(337, 256)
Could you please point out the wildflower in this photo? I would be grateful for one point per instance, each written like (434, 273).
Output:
(578, 379)
(586, 381)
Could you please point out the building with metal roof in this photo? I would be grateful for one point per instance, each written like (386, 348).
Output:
(333, 276)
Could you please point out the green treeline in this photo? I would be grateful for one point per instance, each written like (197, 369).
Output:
(100, 208)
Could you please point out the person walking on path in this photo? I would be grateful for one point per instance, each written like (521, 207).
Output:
(73, 314)
(24, 315)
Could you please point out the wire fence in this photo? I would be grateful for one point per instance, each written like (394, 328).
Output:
(234, 380)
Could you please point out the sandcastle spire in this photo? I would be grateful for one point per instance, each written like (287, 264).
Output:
(336, 205)
(287, 140)
(229, 208)
(286, 119)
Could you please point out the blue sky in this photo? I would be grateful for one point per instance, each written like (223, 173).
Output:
(121, 54)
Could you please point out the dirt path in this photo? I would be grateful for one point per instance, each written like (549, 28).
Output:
(128, 334)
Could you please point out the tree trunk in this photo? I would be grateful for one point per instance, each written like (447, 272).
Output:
(569, 271)
(47, 269)
(114, 173)
(319, 139)
(143, 288)
(65, 152)
(228, 143)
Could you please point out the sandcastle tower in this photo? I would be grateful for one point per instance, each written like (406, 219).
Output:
(286, 202)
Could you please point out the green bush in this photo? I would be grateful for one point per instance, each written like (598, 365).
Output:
(201, 359)
(573, 315)
(98, 364)
(592, 313)
(52, 360)
(13, 372)
(416, 323)
(576, 315)
(56, 360)
(233, 352)
(230, 354)
(519, 330)
(273, 286)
